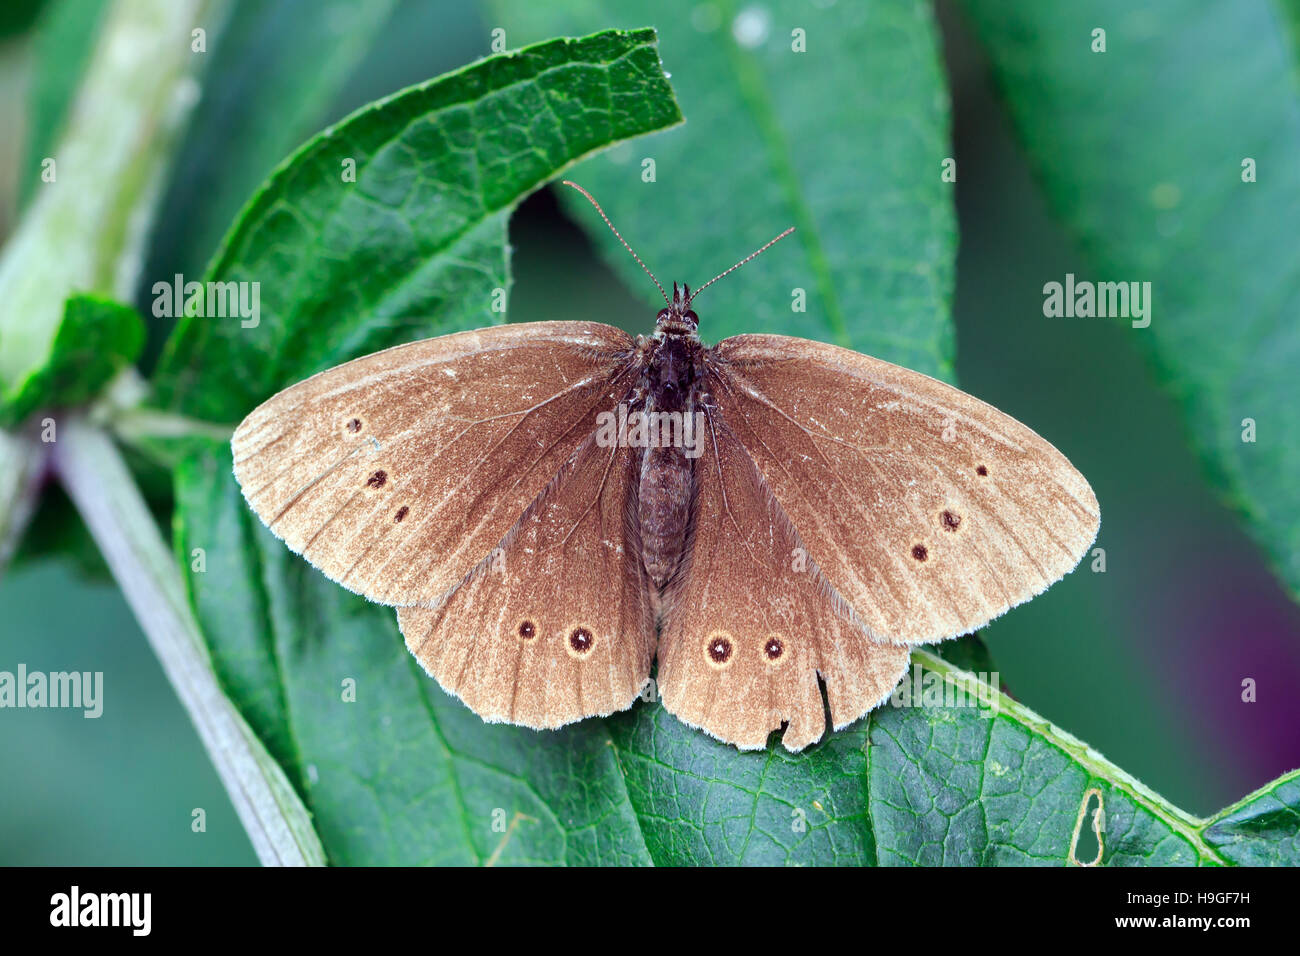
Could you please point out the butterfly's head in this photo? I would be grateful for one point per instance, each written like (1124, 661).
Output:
(678, 318)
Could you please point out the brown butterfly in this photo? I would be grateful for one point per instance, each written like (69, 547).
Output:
(552, 506)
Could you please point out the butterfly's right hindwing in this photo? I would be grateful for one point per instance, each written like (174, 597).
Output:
(752, 622)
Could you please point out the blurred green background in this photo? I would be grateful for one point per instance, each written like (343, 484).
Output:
(1144, 662)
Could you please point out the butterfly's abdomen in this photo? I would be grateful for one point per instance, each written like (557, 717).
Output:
(668, 465)
(667, 482)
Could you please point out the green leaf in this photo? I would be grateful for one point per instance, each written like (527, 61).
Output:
(406, 774)
(1154, 192)
(1263, 829)
(999, 785)
(418, 243)
(95, 340)
(844, 141)
(396, 771)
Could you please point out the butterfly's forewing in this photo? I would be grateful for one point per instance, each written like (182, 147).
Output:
(396, 473)
(751, 621)
(557, 625)
(928, 510)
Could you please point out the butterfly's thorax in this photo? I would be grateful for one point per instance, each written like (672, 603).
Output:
(669, 387)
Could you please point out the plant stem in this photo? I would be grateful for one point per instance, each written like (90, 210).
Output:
(88, 220)
(22, 469)
(93, 472)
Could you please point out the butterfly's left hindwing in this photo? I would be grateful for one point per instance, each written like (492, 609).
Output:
(556, 624)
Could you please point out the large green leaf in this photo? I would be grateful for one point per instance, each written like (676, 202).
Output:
(844, 141)
(394, 770)
(406, 774)
(1153, 188)
(418, 243)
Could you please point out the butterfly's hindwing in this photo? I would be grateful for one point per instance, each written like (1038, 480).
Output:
(751, 621)
(556, 625)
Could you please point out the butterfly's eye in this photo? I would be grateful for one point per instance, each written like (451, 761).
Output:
(663, 314)
(691, 317)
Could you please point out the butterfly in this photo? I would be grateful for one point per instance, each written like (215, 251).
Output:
(553, 507)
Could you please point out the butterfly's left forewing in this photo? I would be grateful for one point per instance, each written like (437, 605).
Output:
(750, 621)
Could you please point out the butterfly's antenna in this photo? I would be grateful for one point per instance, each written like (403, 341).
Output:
(739, 264)
(591, 199)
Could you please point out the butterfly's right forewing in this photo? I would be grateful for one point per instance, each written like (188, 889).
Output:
(930, 511)
(397, 473)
